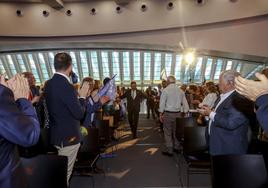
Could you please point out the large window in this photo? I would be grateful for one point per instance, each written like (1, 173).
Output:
(11, 65)
(208, 69)
(218, 69)
(168, 63)
(51, 61)
(43, 66)
(147, 66)
(105, 64)
(21, 63)
(74, 62)
(238, 67)
(116, 66)
(84, 63)
(178, 67)
(157, 66)
(33, 68)
(2, 69)
(136, 66)
(229, 65)
(95, 65)
(198, 68)
(126, 66)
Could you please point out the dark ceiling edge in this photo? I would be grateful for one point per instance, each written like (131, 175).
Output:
(240, 21)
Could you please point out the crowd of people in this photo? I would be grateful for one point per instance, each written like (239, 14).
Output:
(228, 109)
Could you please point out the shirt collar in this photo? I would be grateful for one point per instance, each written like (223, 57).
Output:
(63, 76)
(225, 95)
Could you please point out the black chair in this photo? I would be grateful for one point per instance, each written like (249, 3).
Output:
(45, 171)
(104, 131)
(88, 153)
(195, 151)
(182, 122)
(237, 171)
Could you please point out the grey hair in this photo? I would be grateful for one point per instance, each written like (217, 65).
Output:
(171, 79)
(229, 76)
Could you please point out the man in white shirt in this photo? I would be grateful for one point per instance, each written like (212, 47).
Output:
(172, 100)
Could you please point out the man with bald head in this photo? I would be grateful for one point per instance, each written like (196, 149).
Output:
(172, 102)
(229, 120)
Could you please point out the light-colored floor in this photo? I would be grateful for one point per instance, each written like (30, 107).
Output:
(139, 163)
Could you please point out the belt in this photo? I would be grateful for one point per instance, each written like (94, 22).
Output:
(171, 111)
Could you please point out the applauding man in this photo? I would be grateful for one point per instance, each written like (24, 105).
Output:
(65, 109)
(18, 126)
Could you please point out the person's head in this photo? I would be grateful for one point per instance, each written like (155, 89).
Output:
(164, 83)
(171, 79)
(97, 84)
(212, 89)
(226, 81)
(183, 87)
(192, 89)
(30, 78)
(63, 63)
(133, 85)
(159, 86)
(106, 80)
(90, 82)
(150, 87)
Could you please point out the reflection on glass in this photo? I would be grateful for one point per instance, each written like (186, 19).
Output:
(84, 63)
(43, 66)
(147, 66)
(21, 63)
(126, 66)
(95, 65)
(33, 68)
(157, 66)
(208, 68)
(229, 65)
(105, 64)
(136, 63)
(11, 65)
(218, 69)
(115, 63)
(51, 61)
(178, 67)
(168, 62)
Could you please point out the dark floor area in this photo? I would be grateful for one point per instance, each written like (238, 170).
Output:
(139, 163)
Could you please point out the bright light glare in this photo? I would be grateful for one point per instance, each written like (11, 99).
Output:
(189, 57)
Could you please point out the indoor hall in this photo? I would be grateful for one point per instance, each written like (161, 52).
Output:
(133, 93)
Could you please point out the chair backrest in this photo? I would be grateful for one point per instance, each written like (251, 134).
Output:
(90, 143)
(235, 171)
(182, 122)
(45, 171)
(194, 139)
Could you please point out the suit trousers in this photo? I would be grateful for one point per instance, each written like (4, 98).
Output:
(133, 118)
(169, 127)
(71, 153)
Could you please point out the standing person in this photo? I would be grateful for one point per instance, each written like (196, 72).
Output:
(65, 110)
(18, 126)
(134, 98)
(150, 102)
(172, 101)
(229, 122)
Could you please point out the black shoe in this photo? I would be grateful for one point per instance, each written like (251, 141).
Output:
(167, 153)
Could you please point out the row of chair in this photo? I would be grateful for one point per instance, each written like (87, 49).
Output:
(232, 171)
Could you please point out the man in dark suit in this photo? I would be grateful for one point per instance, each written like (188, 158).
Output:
(18, 126)
(229, 122)
(65, 110)
(134, 98)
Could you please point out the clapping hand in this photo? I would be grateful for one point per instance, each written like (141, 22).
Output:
(252, 89)
(104, 99)
(83, 91)
(204, 110)
(18, 84)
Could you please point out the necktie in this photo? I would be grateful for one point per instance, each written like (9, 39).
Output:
(133, 94)
(216, 102)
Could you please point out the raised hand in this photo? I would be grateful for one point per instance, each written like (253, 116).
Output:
(83, 91)
(20, 87)
(252, 89)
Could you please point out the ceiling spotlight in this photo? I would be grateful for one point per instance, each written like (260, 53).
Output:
(68, 12)
(93, 11)
(19, 13)
(200, 2)
(118, 9)
(45, 13)
(143, 7)
(189, 57)
(170, 5)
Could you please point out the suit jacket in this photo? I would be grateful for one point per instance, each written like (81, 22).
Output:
(133, 105)
(229, 130)
(65, 111)
(18, 126)
(262, 111)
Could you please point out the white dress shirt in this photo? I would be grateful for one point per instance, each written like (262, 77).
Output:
(63, 76)
(213, 113)
(133, 94)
